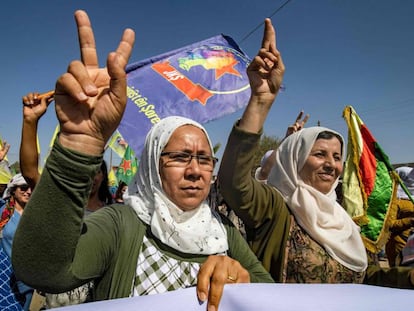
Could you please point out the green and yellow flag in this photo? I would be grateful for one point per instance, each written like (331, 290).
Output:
(369, 184)
(118, 144)
(112, 181)
(5, 172)
(128, 166)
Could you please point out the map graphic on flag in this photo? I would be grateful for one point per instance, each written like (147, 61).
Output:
(202, 81)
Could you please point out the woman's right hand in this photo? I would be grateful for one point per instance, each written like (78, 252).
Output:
(89, 100)
(215, 272)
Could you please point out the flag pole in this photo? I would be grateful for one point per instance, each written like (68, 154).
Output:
(110, 159)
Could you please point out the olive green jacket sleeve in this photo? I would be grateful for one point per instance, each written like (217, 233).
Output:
(240, 250)
(51, 225)
(56, 250)
(260, 206)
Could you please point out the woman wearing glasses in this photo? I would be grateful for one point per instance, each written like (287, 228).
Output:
(16, 196)
(164, 238)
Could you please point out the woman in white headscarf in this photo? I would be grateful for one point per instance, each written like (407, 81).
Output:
(166, 228)
(294, 223)
(306, 173)
(193, 230)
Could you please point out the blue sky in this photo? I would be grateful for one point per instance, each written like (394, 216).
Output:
(337, 53)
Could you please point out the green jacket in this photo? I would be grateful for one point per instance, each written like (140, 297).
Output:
(266, 216)
(55, 249)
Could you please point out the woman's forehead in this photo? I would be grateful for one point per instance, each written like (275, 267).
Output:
(188, 132)
(331, 143)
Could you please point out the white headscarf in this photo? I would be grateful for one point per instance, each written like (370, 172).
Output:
(319, 214)
(407, 176)
(16, 181)
(198, 231)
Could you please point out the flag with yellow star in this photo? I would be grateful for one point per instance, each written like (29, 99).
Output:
(203, 81)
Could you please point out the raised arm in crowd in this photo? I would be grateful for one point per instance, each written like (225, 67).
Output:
(293, 223)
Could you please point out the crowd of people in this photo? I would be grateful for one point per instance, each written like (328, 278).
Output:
(162, 233)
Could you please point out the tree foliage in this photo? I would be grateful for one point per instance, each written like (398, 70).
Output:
(15, 167)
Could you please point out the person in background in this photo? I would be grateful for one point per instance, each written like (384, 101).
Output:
(100, 195)
(406, 174)
(165, 228)
(268, 159)
(266, 164)
(402, 225)
(293, 223)
(16, 196)
(122, 188)
(9, 298)
(408, 252)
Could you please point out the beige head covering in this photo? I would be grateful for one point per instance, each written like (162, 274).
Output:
(199, 231)
(317, 213)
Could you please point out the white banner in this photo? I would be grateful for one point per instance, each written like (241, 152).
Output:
(263, 297)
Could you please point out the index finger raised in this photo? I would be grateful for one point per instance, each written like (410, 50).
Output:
(86, 38)
(268, 35)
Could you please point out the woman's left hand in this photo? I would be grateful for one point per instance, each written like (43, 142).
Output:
(265, 74)
(266, 70)
(214, 273)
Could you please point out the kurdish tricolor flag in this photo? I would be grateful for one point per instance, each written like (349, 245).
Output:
(202, 81)
(368, 183)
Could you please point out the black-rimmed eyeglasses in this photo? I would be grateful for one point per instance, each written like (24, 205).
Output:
(183, 159)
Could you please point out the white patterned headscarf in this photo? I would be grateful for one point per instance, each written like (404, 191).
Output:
(199, 231)
(317, 213)
(16, 181)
